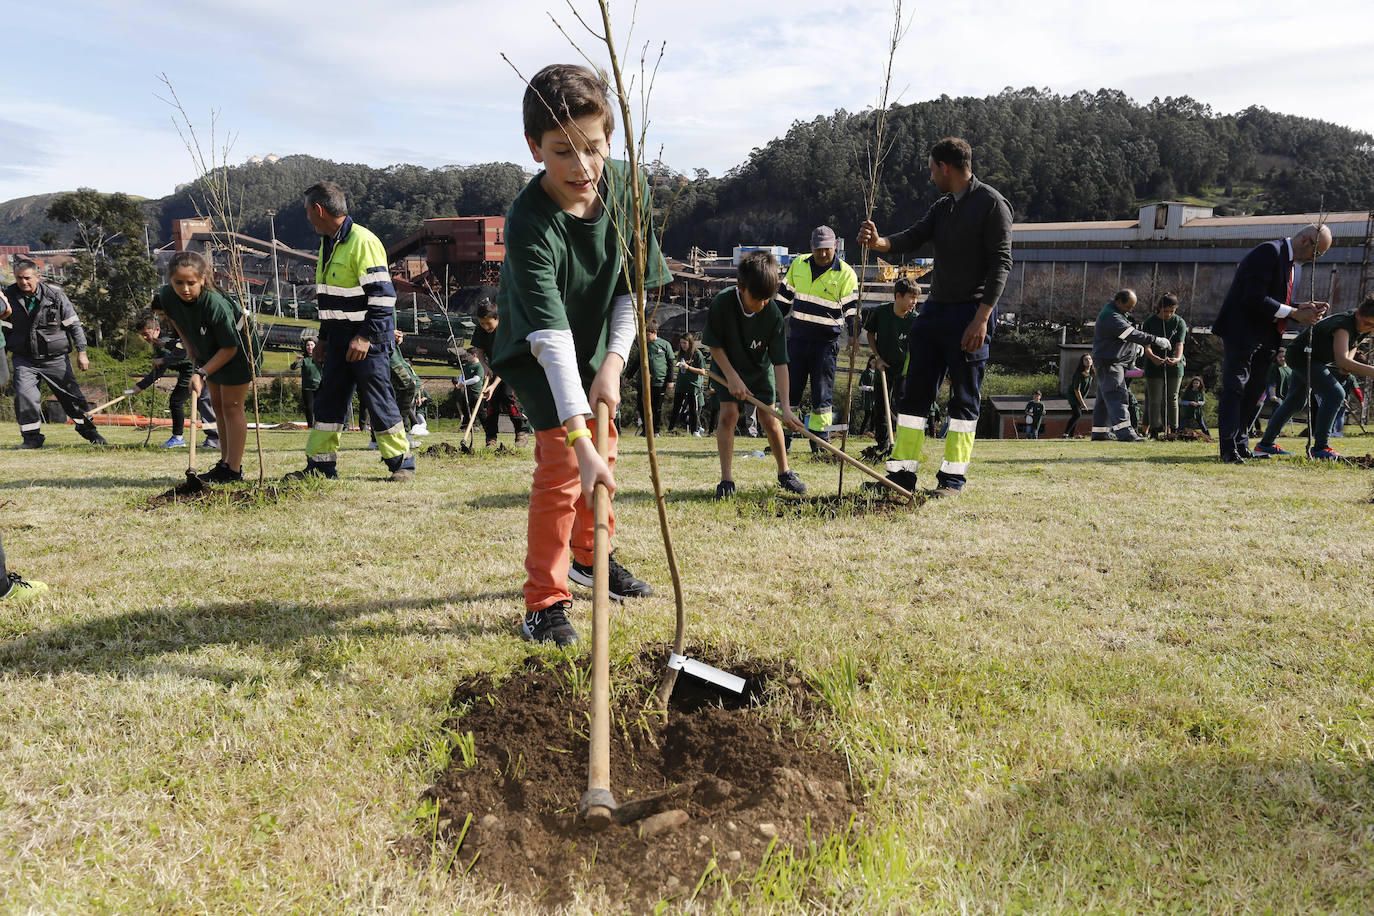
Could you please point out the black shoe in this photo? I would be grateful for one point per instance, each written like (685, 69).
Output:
(791, 483)
(725, 489)
(904, 479)
(1101, 437)
(944, 492)
(220, 473)
(94, 437)
(1244, 452)
(210, 445)
(1232, 458)
(32, 442)
(550, 625)
(623, 583)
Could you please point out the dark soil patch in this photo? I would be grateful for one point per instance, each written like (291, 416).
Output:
(441, 450)
(741, 782)
(1365, 463)
(192, 490)
(857, 502)
(1186, 435)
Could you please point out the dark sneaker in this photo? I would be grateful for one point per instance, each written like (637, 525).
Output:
(522, 439)
(91, 435)
(1231, 458)
(550, 624)
(623, 583)
(1270, 450)
(491, 443)
(221, 473)
(307, 473)
(1324, 454)
(725, 489)
(1129, 435)
(19, 590)
(211, 445)
(790, 482)
(904, 479)
(1101, 437)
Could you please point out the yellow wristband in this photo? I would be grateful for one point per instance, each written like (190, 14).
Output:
(576, 434)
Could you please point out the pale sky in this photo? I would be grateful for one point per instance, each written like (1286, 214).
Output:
(423, 81)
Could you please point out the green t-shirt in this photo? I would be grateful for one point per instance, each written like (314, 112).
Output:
(209, 325)
(1280, 378)
(697, 361)
(660, 361)
(890, 332)
(310, 373)
(561, 273)
(482, 339)
(402, 375)
(753, 343)
(1322, 334)
(1176, 329)
(1082, 382)
(1035, 413)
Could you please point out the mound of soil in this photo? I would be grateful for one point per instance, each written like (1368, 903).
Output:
(1365, 463)
(193, 490)
(441, 450)
(738, 783)
(1186, 435)
(857, 502)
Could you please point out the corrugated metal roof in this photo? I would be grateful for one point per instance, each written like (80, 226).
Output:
(1092, 224)
(1279, 219)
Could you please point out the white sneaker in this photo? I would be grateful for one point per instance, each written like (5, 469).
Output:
(696, 433)
(419, 429)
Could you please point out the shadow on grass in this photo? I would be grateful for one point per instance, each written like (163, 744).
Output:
(1123, 458)
(521, 499)
(142, 482)
(1184, 834)
(121, 643)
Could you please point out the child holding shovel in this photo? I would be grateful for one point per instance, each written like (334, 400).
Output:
(496, 395)
(567, 323)
(745, 331)
(213, 331)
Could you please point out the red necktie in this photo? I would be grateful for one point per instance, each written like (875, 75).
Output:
(1287, 298)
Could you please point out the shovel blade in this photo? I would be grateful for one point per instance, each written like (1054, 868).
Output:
(706, 673)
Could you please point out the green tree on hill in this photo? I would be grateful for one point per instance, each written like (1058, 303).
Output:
(113, 277)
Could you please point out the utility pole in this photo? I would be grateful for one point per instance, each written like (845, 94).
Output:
(276, 275)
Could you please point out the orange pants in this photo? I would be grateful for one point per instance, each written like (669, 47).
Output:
(559, 516)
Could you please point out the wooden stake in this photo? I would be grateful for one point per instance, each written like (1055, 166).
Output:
(598, 807)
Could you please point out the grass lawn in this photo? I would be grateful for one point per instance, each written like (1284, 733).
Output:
(1109, 677)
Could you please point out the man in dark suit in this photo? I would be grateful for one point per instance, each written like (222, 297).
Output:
(1251, 324)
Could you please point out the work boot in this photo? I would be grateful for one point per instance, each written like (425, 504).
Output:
(35, 440)
(904, 479)
(522, 439)
(309, 472)
(945, 491)
(550, 624)
(91, 435)
(403, 475)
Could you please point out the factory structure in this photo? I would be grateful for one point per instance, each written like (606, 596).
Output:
(1064, 272)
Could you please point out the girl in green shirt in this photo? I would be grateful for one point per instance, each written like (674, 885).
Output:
(209, 327)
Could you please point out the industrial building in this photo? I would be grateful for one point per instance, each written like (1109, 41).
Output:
(1064, 272)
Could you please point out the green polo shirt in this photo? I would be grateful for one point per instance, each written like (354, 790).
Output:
(561, 273)
(753, 343)
(890, 332)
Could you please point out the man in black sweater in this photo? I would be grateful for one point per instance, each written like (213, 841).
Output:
(970, 227)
